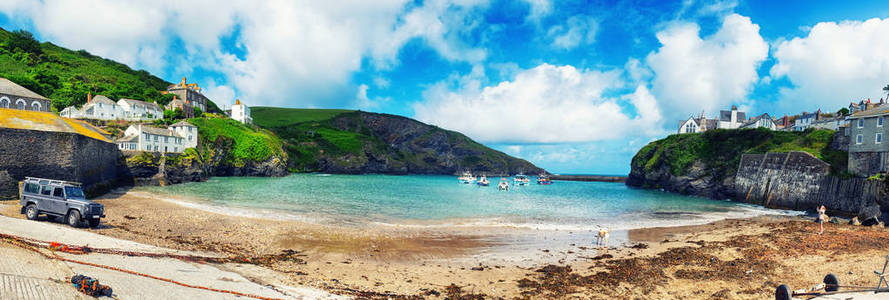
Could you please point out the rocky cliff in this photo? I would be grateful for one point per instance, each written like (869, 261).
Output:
(356, 142)
(796, 170)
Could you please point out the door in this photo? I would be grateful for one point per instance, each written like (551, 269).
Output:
(59, 205)
(44, 200)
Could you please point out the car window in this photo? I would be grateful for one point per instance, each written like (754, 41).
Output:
(32, 188)
(46, 190)
(58, 193)
(74, 192)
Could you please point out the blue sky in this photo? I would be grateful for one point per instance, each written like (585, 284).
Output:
(572, 86)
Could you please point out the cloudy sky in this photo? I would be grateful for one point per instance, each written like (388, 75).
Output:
(573, 86)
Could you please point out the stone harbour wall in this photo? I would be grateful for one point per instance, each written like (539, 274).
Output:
(56, 155)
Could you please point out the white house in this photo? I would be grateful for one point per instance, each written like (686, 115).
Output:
(806, 120)
(761, 121)
(98, 107)
(241, 113)
(140, 110)
(695, 125)
(830, 123)
(731, 119)
(146, 138)
(188, 132)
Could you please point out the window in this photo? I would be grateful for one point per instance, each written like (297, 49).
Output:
(860, 123)
(46, 190)
(156, 138)
(147, 147)
(859, 139)
(879, 138)
(175, 149)
(73, 191)
(58, 193)
(20, 104)
(166, 139)
(4, 102)
(100, 105)
(35, 106)
(32, 188)
(880, 122)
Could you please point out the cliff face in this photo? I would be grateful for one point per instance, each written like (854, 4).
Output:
(360, 142)
(759, 167)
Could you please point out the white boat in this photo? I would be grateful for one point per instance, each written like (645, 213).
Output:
(503, 185)
(483, 181)
(520, 179)
(466, 178)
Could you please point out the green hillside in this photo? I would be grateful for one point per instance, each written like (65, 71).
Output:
(345, 141)
(66, 76)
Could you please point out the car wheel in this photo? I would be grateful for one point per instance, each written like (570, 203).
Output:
(74, 218)
(94, 223)
(31, 212)
(783, 292)
(832, 283)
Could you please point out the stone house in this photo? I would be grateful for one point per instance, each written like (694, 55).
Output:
(140, 110)
(806, 120)
(190, 93)
(761, 121)
(141, 137)
(868, 150)
(864, 105)
(731, 119)
(784, 123)
(180, 104)
(15, 96)
(241, 112)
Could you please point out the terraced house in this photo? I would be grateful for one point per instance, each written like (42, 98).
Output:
(868, 149)
(15, 96)
(141, 137)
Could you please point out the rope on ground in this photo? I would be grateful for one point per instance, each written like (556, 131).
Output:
(26, 243)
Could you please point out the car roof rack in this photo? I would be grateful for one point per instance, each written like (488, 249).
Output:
(45, 181)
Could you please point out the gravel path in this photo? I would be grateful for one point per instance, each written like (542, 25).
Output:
(27, 275)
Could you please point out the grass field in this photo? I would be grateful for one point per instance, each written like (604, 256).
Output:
(276, 117)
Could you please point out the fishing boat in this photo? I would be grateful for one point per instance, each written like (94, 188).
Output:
(466, 178)
(483, 181)
(503, 185)
(520, 179)
(543, 179)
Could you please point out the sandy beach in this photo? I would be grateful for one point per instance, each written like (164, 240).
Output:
(729, 259)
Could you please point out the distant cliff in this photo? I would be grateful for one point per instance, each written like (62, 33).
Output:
(356, 142)
(796, 170)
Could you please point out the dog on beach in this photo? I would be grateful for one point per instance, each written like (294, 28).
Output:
(602, 238)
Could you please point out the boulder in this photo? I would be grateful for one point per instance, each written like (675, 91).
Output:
(869, 215)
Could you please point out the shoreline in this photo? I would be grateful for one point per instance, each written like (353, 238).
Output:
(378, 262)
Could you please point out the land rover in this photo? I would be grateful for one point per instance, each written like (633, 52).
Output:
(57, 198)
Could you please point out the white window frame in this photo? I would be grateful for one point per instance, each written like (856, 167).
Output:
(859, 139)
(878, 138)
(860, 123)
(879, 121)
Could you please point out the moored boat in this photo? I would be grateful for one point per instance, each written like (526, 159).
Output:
(483, 181)
(503, 185)
(466, 178)
(543, 179)
(520, 179)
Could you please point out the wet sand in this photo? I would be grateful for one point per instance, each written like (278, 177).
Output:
(730, 259)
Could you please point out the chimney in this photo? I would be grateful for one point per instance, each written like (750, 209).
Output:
(89, 97)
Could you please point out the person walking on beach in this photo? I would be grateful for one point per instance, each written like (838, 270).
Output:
(822, 217)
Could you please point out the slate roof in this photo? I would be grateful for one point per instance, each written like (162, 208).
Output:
(158, 131)
(147, 104)
(881, 110)
(11, 88)
(756, 119)
(101, 99)
(183, 123)
(128, 139)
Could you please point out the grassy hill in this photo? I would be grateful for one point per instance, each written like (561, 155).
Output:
(346, 141)
(66, 76)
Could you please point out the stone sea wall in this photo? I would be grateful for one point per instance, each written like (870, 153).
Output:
(798, 180)
(56, 155)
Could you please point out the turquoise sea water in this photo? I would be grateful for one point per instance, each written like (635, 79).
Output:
(441, 200)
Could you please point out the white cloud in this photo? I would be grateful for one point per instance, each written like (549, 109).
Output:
(222, 95)
(693, 73)
(538, 9)
(833, 64)
(718, 8)
(545, 104)
(577, 30)
(365, 103)
(295, 53)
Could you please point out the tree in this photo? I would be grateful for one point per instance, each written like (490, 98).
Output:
(886, 89)
(21, 40)
(843, 111)
(174, 114)
(198, 112)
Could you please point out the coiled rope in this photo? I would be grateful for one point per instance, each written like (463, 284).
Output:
(35, 246)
